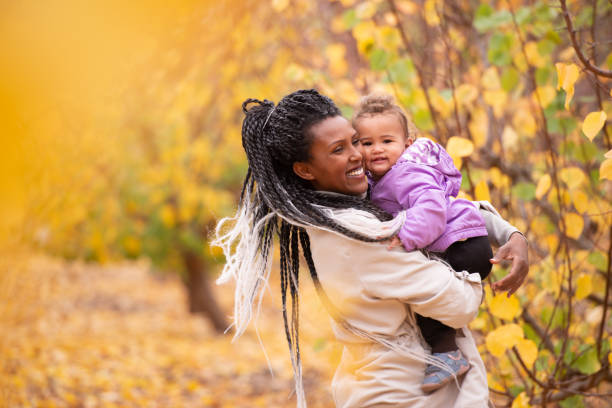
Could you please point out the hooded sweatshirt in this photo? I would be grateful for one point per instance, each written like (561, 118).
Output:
(424, 182)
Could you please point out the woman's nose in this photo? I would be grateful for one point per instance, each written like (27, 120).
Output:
(356, 153)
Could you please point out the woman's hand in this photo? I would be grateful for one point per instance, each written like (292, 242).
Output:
(514, 250)
(393, 242)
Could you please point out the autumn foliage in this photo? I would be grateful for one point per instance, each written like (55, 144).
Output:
(128, 146)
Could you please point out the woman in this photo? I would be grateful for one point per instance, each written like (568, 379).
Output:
(306, 184)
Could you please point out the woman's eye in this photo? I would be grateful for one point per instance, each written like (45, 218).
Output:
(355, 142)
(337, 149)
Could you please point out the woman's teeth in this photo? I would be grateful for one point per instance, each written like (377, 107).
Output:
(356, 172)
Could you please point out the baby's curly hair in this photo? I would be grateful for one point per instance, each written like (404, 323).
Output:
(380, 103)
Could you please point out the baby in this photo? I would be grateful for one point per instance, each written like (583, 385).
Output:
(419, 176)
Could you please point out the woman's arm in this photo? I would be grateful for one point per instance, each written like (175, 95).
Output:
(431, 288)
(513, 248)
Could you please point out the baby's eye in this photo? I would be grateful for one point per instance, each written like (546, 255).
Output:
(366, 143)
(388, 141)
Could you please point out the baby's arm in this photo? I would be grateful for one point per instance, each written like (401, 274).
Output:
(418, 191)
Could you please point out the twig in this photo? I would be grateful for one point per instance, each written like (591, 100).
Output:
(530, 320)
(606, 296)
(417, 67)
(572, 33)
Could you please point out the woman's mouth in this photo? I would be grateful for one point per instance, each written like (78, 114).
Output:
(355, 172)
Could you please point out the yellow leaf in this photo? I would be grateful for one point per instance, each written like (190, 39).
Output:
(533, 56)
(482, 191)
(539, 226)
(521, 401)
(503, 338)
(573, 224)
(504, 307)
(335, 54)
(490, 79)
(431, 14)
(466, 94)
(567, 76)
(584, 286)
(459, 147)
(524, 122)
(545, 94)
(365, 10)
(479, 124)
(572, 176)
(167, 216)
(593, 123)
(510, 139)
(543, 186)
(528, 351)
(496, 99)
(280, 5)
(605, 170)
(580, 200)
(608, 154)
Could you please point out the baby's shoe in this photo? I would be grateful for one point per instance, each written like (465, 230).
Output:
(436, 378)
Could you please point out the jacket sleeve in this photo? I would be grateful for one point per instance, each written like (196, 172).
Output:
(418, 190)
(498, 229)
(429, 287)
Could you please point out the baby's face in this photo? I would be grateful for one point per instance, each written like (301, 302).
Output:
(383, 141)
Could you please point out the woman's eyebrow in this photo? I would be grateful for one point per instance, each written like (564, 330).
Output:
(336, 142)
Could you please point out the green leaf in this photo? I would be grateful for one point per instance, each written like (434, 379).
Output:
(542, 75)
(319, 344)
(525, 191)
(485, 19)
(598, 260)
(402, 70)
(523, 15)
(379, 59)
(349, 19)
(575, 401)
(422, 120)
(588, 363)
(499, 49)
(510, 79)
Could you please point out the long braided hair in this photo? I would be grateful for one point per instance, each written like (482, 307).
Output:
(275, 201)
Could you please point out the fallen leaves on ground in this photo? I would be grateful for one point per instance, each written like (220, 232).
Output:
(79, 335)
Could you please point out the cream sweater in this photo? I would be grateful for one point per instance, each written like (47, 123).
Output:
(378, 291)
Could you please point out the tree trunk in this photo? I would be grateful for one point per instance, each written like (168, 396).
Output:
(201, 297)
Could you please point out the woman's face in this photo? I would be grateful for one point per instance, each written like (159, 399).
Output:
(335, 158)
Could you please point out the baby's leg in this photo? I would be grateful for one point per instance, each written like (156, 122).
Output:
(440, 337)
(471, 255)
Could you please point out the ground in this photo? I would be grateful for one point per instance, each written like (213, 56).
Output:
(85, 335)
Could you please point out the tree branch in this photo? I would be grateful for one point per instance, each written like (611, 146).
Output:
(572, 33)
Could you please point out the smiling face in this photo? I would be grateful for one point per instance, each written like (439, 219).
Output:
(383, 139)
(335, 160)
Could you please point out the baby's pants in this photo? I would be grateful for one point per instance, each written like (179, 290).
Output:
(471, 255)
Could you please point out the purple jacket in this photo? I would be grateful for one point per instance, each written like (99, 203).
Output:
(422, 182)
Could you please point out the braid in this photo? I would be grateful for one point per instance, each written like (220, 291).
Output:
(275, 200)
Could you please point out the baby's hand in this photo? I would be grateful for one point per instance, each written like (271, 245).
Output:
(393, 242)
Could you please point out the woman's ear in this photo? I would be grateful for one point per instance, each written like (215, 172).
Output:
(302, 169)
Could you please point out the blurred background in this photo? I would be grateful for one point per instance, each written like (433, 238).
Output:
(120, 148)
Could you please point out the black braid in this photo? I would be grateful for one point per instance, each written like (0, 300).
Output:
(274, 138)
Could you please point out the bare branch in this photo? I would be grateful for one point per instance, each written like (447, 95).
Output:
(572, 33)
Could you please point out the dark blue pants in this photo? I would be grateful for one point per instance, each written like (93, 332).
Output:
(471, 255)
